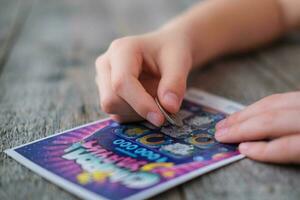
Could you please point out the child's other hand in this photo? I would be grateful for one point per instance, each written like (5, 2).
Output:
(275, 118)
(135, 69)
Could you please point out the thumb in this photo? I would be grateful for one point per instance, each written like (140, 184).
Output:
(174, 68)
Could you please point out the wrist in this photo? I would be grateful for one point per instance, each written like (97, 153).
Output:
(202, 34)
(219, 27)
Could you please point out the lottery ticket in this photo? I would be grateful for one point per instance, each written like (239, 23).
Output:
(108, 160)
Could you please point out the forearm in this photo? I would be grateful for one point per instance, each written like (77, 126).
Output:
(217, 27)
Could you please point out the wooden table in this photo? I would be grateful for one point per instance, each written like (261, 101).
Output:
(47, 53)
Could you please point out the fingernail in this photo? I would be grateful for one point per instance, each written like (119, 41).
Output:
(244, 147)
(171, 99)
(221, 132)
(154, 118)
(221, 124)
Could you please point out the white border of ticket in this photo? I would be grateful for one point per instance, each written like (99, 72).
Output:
(194, 95)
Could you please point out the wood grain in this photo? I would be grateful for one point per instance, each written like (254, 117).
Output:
(13, 14)
(47, 85)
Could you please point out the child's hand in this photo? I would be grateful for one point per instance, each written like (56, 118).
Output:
(277, 118)
(135, 69)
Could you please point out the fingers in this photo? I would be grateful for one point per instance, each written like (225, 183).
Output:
(129, 85)
(273, 102)
(126, 64)
(109, 101)
(175, 66)
(276, 117)
(282, 150)
(267, 125)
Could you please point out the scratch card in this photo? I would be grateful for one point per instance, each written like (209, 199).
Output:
(108, 160)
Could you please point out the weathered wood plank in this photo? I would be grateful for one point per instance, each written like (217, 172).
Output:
(13, 14)
(284, 61)
(7, 17)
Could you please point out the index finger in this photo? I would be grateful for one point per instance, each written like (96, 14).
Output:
(273, 102)
(125, 69)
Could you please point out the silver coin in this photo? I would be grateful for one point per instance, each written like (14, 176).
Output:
(171, 118)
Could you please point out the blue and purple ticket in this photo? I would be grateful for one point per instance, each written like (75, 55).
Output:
(108, 160)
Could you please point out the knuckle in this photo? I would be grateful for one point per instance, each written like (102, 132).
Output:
(234, 118)
(262, 152)
(268, 101)
(235, 130)
(122, 43)
(292, 153)
(109, 104)
(116, 43)
(118, 85)
(239, 132)
(268, 118)
(288, 144)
